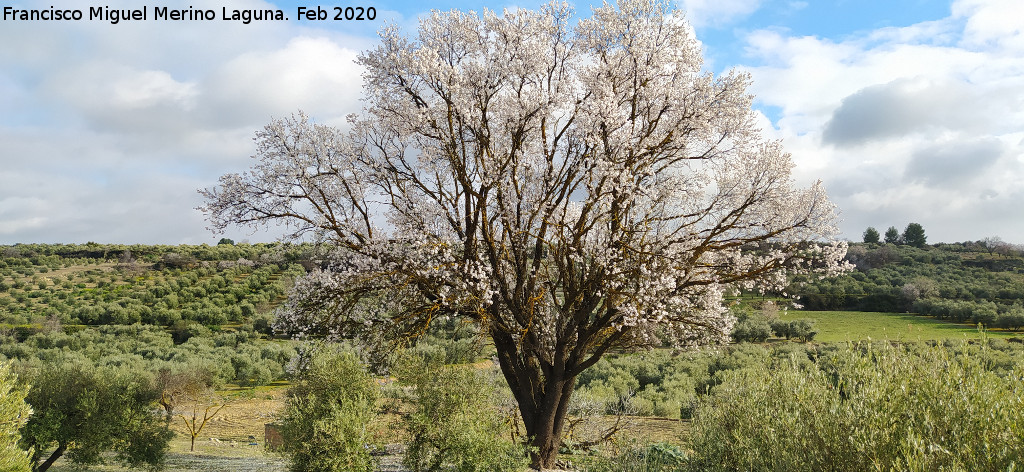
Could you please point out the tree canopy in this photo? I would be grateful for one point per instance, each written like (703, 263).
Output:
(14, 412)
(327, 416)
(85, 411)
(892, 235)
(568, 186)
(871, 235)
(913, 235)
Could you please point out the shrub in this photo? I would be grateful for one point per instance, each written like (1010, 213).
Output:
(866, 407)
(328, 413)
(14, 412)
(752, 328)
(657, 457)
(85, 411)
(649, 383)
(455, 425)
(802, 329)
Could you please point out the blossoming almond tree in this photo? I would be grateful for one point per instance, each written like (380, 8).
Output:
(569, 186)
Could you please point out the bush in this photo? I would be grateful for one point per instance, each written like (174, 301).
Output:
(657, 457)
(455, 425)
(328, 413)
(866, 407)
(85, 411)
(14, 412)
(802, 329)
(654, 383)
(752, 328)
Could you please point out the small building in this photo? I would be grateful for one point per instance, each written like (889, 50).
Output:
(272, 436)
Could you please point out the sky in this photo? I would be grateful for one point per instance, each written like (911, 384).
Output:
(907, 110)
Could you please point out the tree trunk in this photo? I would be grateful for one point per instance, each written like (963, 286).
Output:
(168, 409)
(543, 399)
(548, 422)
(53, 458)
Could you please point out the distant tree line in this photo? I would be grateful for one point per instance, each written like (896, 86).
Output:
(963, 282)
(913, 235)
(225, 250)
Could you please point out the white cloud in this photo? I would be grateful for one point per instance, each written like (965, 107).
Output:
(992, 23)
(108, 130)
(313, 74)
(117, 98)
(921, 123)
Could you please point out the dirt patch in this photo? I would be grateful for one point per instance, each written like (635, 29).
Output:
(75, 269)
(242, 421)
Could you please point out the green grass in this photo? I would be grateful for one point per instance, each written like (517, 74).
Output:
(841, 326)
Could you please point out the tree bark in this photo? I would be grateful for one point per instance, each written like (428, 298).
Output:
(53, 458)
(548, 423)
(543, 399)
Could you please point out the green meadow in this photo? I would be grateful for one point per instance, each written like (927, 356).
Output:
(841, 326)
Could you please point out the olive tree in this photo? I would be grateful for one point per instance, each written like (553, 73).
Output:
(570, 186)
(84, 411)
(327, 420)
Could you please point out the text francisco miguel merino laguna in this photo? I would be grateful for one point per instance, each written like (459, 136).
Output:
(115, 15)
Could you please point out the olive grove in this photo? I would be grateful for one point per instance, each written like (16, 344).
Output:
(568, 185)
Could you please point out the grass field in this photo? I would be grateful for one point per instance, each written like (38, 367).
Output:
(842, 326)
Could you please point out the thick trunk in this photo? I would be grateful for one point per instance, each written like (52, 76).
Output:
(548, 422)
(543, 399)
(53, 458)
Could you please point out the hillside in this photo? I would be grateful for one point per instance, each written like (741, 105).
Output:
(965, 282)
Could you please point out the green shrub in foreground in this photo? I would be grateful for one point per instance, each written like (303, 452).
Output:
(866, 407)
(14, 412)
(82, 411)
(455, 425)
(326, 422)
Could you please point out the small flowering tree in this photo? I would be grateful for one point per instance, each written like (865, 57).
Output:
(568, 188)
